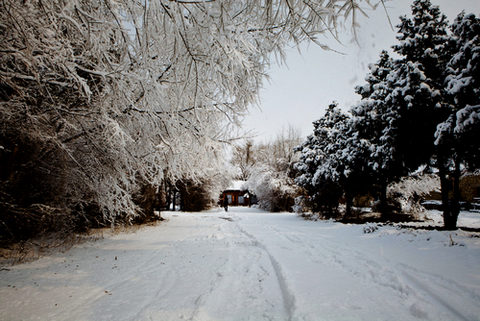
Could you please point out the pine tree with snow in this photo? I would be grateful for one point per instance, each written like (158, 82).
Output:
(351, 162)
(417, 103)
(376, 87)
(376, 120)
(314, 172)
(424, 38)
(426, 47)
(436, 89)
(457, 136)
(331, 161)
(463, 72)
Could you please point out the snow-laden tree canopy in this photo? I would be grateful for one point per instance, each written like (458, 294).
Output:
(111, 95)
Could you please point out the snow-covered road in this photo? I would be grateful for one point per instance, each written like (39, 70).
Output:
(252, 265)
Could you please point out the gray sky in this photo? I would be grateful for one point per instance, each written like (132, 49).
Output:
(300, 92)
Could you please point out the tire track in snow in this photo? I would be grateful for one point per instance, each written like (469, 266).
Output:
(445, 292)
(194, 283)
(435, 297)
(287, 295)
(236, 281)
(357, 262)
(413, 287)
(161, 279)
(402, 279)
(166, 288)
(247, 288)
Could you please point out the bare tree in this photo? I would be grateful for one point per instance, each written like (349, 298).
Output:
(243, 159)
(270, 177)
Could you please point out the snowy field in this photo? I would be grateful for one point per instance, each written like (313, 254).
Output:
(251, 265)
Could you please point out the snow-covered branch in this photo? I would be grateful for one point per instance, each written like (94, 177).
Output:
(127, 93)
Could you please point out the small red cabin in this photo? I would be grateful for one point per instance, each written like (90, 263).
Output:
(238, 195)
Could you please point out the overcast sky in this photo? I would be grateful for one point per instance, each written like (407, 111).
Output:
(299, 93)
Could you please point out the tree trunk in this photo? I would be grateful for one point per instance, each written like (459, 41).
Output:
(349, 203)
(449, 221)
(168, 194)
(174, 198)
(383, 206)
(148, 200)
(455, 206)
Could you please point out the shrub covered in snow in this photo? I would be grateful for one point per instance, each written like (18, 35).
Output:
(275, 191)
(411, 190)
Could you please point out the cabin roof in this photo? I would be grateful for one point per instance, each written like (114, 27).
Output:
(237, 186)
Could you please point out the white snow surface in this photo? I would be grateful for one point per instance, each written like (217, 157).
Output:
(251, 265)
(237, 186)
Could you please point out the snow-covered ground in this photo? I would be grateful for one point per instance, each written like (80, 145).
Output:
(251, 265)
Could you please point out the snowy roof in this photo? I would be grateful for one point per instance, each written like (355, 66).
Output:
(237, 186)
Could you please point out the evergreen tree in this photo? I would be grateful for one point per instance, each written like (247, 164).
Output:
(457, 137)
(351, 161)
(417, 104)
(332, 161)
(426, 47)
(425, 39)
(463, 72)
(376, 120)
(316, 173)
(422, 109)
